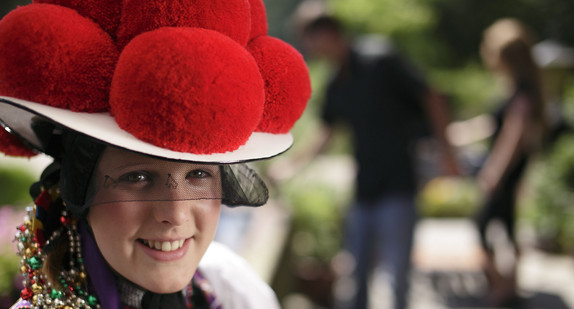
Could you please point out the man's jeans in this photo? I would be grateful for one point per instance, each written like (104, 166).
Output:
(381, 235)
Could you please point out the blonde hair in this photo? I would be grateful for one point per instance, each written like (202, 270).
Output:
(501, 37)
(507, 48)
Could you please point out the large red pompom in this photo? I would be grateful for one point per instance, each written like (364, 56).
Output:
(54, 56)
(12, 146)
(104, 12)
(192, 90)
(230, 17)
(259, 24)
(287, 83)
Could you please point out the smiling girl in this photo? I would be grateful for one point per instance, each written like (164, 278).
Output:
(150, 110)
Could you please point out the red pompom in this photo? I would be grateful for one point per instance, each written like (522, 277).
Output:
(230, 17)
(287, 83)
(192, 90)
(52, 55)
(12, 146)
(104, 12)
(259, 24)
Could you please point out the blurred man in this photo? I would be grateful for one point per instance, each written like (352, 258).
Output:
(387, 106)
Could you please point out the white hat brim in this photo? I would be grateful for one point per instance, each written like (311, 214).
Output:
(17, 116)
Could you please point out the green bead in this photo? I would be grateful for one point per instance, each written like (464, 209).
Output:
(55, 294)
(92, 300)
(35, 263)
(80, 260)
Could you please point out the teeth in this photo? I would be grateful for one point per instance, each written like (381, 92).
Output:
(165, 246)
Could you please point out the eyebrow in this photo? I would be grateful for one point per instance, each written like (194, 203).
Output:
(138, 164)
(128, 165)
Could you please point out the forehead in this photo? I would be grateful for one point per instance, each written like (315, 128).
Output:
(114, 158)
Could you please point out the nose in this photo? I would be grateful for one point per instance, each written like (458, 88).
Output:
(173, 212)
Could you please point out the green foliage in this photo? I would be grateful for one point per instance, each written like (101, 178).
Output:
(14, 186)
(8, 5)
(461, 23)
(318, 197)
(406, 22)
(9, 265)
(385, 16)
(319, 72)
(472, 90)
(447, 32)
(568, 104)
(316, 219)
(9, 260)
(551, 209)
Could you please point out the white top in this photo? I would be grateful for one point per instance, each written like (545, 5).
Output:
(235, 283)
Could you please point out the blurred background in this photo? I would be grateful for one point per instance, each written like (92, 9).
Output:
(295, 241)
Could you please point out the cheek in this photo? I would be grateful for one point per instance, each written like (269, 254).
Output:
(114, 225)
(206, 217)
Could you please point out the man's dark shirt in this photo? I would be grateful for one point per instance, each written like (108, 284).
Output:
(380, 98)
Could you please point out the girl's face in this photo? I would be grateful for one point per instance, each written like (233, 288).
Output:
(154, 219)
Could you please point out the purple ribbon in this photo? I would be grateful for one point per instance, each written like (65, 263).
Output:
(102, 279)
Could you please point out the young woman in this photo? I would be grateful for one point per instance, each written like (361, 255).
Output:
(520, 126)
(150, 110)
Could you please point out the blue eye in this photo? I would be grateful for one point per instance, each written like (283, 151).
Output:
(135, 177)
(198, 174)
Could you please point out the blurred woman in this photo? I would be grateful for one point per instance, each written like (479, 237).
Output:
(520, 125)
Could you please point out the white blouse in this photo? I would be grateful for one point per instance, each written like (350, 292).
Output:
(235, 283)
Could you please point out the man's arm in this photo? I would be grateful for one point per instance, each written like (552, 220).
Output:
(437, 113)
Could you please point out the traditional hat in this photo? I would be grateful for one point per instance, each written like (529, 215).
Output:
(196, 81)
(187, 80)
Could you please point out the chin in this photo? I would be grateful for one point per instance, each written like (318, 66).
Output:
(167, 285)
(163, 280)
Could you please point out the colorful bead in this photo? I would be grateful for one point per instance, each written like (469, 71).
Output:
(27, 293)
(92, 300)
(37, 288)
(55, 294)
(34, 263)
(65, 220)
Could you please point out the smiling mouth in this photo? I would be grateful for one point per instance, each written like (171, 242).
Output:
(165, 246)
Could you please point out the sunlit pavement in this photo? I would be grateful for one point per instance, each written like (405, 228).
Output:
(447, 272)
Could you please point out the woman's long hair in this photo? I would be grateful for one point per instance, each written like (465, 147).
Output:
(507, 48)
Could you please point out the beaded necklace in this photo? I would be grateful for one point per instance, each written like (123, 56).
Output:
(71, 290)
